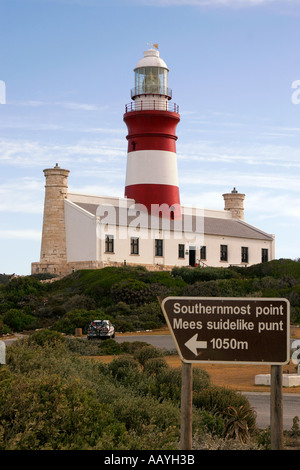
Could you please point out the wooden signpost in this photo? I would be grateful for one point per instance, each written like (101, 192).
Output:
(230, 330)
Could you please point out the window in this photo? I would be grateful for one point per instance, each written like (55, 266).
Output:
(135, 246)
(203, 252)
(109, 244)
(224, 253)
(245, 256)
(158, 247)
(264, 255)
(180, 251)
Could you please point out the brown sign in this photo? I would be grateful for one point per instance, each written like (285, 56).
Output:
(229, 329)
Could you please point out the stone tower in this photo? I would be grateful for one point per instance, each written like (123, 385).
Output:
(234, 202)
(53, 258)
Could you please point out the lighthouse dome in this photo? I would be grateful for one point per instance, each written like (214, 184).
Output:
(151, 59)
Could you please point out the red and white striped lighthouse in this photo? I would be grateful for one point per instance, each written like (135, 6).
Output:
(151, 175)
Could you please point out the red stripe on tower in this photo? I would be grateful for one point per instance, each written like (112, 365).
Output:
(151, 174)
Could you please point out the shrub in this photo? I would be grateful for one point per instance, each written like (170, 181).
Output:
(4, 329)
(45, 336)
(17, 320)
(131, 291)
(191, 276)
(50, 413)
(220, 400)
(24, 285)
(146, 353)
(78, 302)
(132, 347)
(109, 346)
(202, 289)
(236, 420)
(125, 370)
(201, 379)
(154, 365)
(295, 315)
(168, 385)
(79, 318)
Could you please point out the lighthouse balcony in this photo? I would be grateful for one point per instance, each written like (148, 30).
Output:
(151, 89)
(151, 104)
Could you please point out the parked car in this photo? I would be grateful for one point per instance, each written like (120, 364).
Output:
(100, 329)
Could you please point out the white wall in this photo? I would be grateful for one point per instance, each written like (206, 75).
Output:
(122, 248)
(80, 233)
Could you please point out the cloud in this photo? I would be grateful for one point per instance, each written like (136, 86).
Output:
(20, 234)
(22, 195)
(247, 154)
(26, 153)
(227, 179)
(62, 104)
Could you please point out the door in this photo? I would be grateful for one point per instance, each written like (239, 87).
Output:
(192, 255)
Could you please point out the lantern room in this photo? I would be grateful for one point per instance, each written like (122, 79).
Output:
(151, 76)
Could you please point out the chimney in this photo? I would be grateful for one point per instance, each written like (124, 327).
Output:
(53, 247)
(234, 202)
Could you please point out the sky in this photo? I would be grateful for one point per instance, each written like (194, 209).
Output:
(66, 71)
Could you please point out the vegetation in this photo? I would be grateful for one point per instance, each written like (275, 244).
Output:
(128, 295)
(54, 398)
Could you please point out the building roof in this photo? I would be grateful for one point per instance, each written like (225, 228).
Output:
(189, 223)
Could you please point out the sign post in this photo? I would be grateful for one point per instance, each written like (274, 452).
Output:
(276, 410)
(230, 330)
(186, 406)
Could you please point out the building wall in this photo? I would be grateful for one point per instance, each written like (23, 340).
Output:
(146, 256)
(80, 234)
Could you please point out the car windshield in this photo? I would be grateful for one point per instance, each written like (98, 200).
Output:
(96, 323)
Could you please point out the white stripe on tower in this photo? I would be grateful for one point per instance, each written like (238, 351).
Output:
(151, 167)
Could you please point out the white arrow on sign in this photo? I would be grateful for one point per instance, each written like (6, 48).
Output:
(193, 344)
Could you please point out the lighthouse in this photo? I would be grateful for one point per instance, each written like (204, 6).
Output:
(151, 120)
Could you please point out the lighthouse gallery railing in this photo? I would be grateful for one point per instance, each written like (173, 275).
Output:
(151, 105)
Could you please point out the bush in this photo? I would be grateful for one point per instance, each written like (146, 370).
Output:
(25, 285)
(4, 329)
(131, 292)
(154, 365)
(193, 275)
(79, 318)
(51, 413)
(125, 370)
(132, 347)
(146, 353)
(109, 346)
(295, 315)
(222, 401)
(18, 321)
(44, 337)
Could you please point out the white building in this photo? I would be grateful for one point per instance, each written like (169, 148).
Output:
(149, 226)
